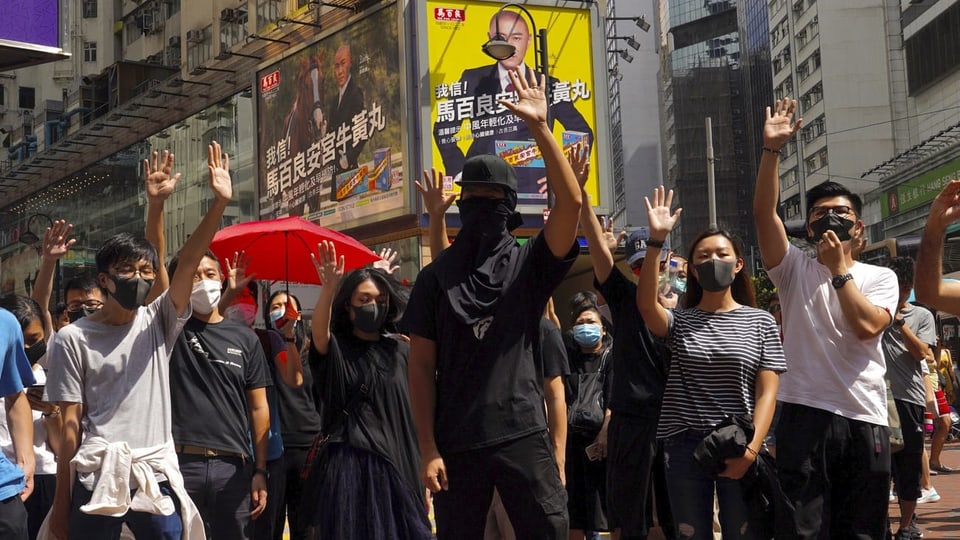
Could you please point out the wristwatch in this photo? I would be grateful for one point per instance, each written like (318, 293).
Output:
(264, 472)
(898, 323)
(839, 281)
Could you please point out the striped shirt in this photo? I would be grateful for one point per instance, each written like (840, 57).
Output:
(716, 356)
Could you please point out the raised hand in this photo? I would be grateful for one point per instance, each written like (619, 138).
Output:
(237, 277)
(431, 190)
(218, 164)
(329, 268)
(659, 217)
(779, 126)
(55, 242)
(945, 209)
(531, 105)
(611, 239)
(158, 181)
(387, 256)
(579, 158)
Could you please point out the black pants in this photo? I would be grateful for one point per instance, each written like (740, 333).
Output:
(265, 526)
(632, 471)
(832, 470)
(39, 502)
(289, 498)
(525, 473)
(13, 519)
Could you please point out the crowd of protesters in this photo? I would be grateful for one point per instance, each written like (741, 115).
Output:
(147, 405)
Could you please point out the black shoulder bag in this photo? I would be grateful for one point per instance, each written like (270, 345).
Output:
(586, 412)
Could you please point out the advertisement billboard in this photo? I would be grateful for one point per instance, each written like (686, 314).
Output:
(330, 141)
(465, 85)
(33, 22)
(919, 190)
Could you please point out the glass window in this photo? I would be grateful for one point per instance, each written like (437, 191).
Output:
(89, 9)
(27, 97)
(89, 51)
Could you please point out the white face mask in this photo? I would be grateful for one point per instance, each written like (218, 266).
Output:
(242, 313)
(205, 296)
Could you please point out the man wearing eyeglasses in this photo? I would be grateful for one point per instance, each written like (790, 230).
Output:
(833, 448)
(84, 297)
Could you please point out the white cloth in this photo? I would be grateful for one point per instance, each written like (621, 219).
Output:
(117, 467)
(830, 368)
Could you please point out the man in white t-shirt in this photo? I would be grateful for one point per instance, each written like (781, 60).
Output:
(833, 448)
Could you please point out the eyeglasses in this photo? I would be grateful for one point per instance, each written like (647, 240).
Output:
(818, 212)
(128, 272)
(87, 304)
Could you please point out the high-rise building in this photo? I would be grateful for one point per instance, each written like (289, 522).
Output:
(843, 62)
(712, 65)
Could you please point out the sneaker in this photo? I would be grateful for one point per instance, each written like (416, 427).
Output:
(902, 534)
(915, 533)
(928, 495)
(893, 496)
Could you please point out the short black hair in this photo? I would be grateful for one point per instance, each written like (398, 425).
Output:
(82, 283)
(175, 261)
(125, 248)
(903, 267)
(580, 302)
(829, 190)
(24, 308)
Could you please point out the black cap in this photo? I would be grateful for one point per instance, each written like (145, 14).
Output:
(488, 169)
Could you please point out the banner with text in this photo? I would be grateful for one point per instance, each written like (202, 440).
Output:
(330, 128)
(466, 85)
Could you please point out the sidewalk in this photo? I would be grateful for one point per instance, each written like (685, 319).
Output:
(942, 518)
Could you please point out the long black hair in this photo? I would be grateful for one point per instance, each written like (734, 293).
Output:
(742, 287)
(396, 293)
(299, 333)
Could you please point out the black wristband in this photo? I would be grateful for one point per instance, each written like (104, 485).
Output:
(772, 151)
(654, 243)
(264, 472)
(290, 339)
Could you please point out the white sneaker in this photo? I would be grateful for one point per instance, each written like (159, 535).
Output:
(928, 495)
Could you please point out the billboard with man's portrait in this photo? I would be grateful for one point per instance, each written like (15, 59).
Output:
(466, 86)
(330, 132)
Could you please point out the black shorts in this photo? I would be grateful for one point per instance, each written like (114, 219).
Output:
(906, 464)
(631, 446)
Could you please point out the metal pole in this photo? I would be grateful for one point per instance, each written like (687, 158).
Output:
(711, 187)
(543, 59)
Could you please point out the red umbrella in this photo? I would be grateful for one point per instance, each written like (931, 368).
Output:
(279, 249)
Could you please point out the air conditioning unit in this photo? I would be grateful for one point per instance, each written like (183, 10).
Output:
(174, 41)
(195, 36)
(228, 15)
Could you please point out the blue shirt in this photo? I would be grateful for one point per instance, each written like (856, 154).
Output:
(14, 373)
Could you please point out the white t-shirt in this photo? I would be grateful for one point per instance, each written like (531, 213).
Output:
(829, 368)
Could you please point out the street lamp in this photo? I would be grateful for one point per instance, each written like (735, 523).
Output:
(631, 41)
(499, 48)
(623, 54)
(640, 21)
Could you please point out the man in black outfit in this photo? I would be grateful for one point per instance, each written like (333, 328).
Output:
(473, 318)
(486, 84)
(347, 103)
(218, 379)
(640, 364)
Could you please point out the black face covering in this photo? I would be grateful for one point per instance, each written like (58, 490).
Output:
(36, 351)
(74, 316)
(832, 222)
(369, 318)
(131, 292)
(715, 275)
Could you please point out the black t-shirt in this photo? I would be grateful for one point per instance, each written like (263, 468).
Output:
(380, 421)
(640, 361)
(552, 355)
(211, 368)
(299, 419)
(579, 362)
(489, 389)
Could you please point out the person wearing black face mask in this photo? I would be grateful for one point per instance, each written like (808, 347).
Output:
(473, 318)
(726, 360)
(835, 311)
(359, 384)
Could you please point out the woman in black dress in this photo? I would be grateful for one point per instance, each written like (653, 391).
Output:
(369, 487)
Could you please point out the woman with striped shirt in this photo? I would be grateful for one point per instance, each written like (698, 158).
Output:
(726, 360)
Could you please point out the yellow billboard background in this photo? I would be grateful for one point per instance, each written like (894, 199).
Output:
(455, 33)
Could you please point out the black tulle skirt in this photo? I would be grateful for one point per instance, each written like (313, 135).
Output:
(362, 497)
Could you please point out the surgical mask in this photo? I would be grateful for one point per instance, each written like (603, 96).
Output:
(605, 312)
(831, 222)
(205, 295)
(716, 275)
(370, 317)
(36, 351)
(244, 314)
(679, 285)
(131, 293)
(587, 335)
(276, 315)
(74, 316)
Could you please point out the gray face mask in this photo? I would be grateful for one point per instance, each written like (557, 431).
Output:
(716, 275)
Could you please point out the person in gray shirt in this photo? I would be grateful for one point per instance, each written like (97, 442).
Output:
(907, 344)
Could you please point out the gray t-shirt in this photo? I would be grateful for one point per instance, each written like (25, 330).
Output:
(121, 374)
(903, 370)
